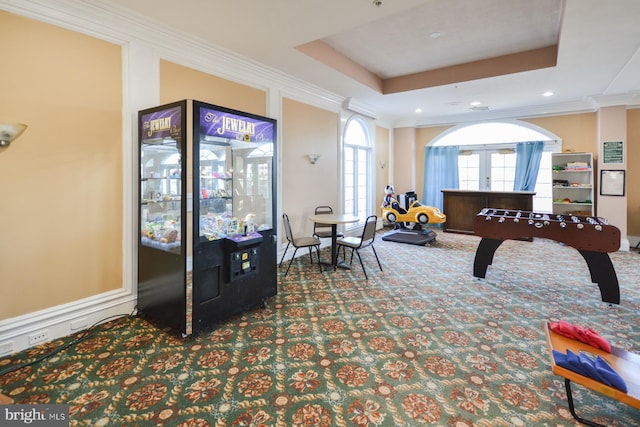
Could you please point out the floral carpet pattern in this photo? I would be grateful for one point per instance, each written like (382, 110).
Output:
(421, 343)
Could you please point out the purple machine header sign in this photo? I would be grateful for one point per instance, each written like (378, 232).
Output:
(162, 124)
(232, 126)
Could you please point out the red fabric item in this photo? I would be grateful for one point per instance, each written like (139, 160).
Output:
(565, 329)
(585, 335)
(594, 339)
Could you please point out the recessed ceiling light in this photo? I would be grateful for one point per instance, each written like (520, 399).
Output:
(548, 93)
(435, 35)
(418, 110)
(475, 103)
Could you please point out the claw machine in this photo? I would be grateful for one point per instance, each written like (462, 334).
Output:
(207, 245)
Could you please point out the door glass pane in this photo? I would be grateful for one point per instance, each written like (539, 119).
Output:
(469, 171)
(503, 167)
(349, 179)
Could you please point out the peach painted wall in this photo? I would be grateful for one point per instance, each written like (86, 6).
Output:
(578, 131)
(404, 166)
(178, 82)
(633, 173)
(382, 167)
(61, 181)
(305, 130)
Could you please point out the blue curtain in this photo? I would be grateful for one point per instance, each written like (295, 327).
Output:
(528, 155)
(440, 171)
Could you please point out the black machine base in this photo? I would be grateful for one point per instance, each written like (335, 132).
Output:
(412, 237)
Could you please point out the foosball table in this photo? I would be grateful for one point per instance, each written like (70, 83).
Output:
(593, 237)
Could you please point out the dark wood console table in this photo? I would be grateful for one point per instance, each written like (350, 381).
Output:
(461, 206)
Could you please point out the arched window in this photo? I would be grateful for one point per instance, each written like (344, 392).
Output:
(357, 175)
(487, 158)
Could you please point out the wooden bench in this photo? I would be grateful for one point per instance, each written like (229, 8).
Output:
(625, 363)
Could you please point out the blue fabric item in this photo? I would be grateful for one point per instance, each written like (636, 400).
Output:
(440, 172)
(613, 379)
(528, 155)
(569, 361)
(597, 369)
(589, 365)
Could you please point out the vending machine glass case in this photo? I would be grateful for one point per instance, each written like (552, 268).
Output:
(161, 180)
(207, 246)
(235, 172)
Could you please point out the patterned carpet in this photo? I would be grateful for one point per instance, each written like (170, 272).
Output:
(422, 343)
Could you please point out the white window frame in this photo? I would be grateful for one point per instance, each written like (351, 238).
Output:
(369, 130)
(485, 147)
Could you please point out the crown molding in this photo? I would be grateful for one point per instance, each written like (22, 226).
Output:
(116, 24)
(119, 25)
(628, 99)
(572, 107)
(354, 106)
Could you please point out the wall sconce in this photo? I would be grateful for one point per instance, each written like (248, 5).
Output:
(313, 158)
(382, 165)
(9, 132)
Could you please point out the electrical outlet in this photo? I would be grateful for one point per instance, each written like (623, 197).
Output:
(39, 337)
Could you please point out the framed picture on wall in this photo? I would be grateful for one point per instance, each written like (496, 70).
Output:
(613, 152)
(612, 182)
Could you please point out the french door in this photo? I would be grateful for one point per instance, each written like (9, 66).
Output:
(495, 170)
(487, 170)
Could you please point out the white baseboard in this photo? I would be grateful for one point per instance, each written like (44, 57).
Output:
(60, 321)
(625, 245)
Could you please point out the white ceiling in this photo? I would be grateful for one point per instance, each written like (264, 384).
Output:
(598, 62)
(402, 43)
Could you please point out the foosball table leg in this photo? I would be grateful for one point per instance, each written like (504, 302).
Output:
(484, 256)
(603, 273)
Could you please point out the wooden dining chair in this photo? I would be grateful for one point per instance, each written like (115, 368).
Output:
(364, 241)
(298, 242)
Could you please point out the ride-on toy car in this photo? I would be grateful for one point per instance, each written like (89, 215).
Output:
(417, 213)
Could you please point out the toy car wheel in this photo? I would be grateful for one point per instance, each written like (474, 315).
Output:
(423, 218)
(391, 217)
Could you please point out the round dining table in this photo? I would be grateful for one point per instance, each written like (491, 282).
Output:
(334, 220)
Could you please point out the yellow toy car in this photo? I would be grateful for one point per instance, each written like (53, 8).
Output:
(417, 212)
